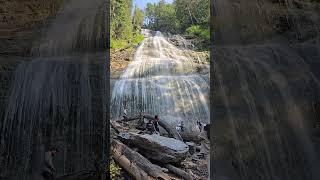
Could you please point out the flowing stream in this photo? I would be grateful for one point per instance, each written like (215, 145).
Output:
(162, 80)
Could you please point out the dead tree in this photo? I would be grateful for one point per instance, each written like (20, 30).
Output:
(134, 163)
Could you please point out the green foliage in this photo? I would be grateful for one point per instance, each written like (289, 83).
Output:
(121, 25)
(123, 43)
(194, 30)
(182, 16)
(137, 39)
(118, 44)
(125, 27)
(115, 170)
(205, 34)
(137, 21)
(161, 17)
(199, 31)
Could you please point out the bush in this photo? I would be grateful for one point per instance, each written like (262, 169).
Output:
(115, 170)
(196, 30)
(118, 44)
(205, 34)
(137, 39)
(121, 43)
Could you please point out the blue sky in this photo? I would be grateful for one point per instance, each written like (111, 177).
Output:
(143, 3)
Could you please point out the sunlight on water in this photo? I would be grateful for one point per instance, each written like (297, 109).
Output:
(162, 80)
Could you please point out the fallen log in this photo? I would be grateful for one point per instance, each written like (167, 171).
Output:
(128, 119)
(118, 127)
(134, 163)
(180, 172)
(160, 148)
(171, 131)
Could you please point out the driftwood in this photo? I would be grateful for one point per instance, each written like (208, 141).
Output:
(160, 148)
(129, 119)
(172, 131)
(118, 127)
(164, 150)
(134, 163)
(180, 172)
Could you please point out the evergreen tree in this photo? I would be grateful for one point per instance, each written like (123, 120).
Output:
(182, 16)
(125, 27)
(137, 21)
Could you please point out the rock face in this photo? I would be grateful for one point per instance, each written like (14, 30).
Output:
(252, 21)
(160, 148)
(21, 22)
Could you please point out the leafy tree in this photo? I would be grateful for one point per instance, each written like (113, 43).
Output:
(192, 12)
(121, 25)
(124, 27)
(150, 15)
(137, 21)
(182, 16)
(161, 17)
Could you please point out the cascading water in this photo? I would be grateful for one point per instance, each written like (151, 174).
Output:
(55, 99)
(266, 75)
(162, 80)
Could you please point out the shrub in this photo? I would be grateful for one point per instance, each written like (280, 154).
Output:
(118, 44)
(205, 34)
(121, 43)
(196, 30)
(115, 170)
(137, 39)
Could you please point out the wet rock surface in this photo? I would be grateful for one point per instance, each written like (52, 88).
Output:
(170, 155)
(21, 22)
(156, 147)
(28, 80)
(265, 108)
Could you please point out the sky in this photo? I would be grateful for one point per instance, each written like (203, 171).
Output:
(143, 3)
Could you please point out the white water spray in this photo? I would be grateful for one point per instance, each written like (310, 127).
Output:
(162, 81)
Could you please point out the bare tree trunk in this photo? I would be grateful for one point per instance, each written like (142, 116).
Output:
(180, 172)
(133, 162)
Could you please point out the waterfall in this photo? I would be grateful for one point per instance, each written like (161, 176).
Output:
(55, 99)
(266, 75)
(161, 80)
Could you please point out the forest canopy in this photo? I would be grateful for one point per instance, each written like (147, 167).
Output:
(125, 26)
(190, 17)
(182, 16)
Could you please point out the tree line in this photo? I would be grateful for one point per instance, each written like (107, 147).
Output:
(126, 23)
(182, 16)
(189, 17)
